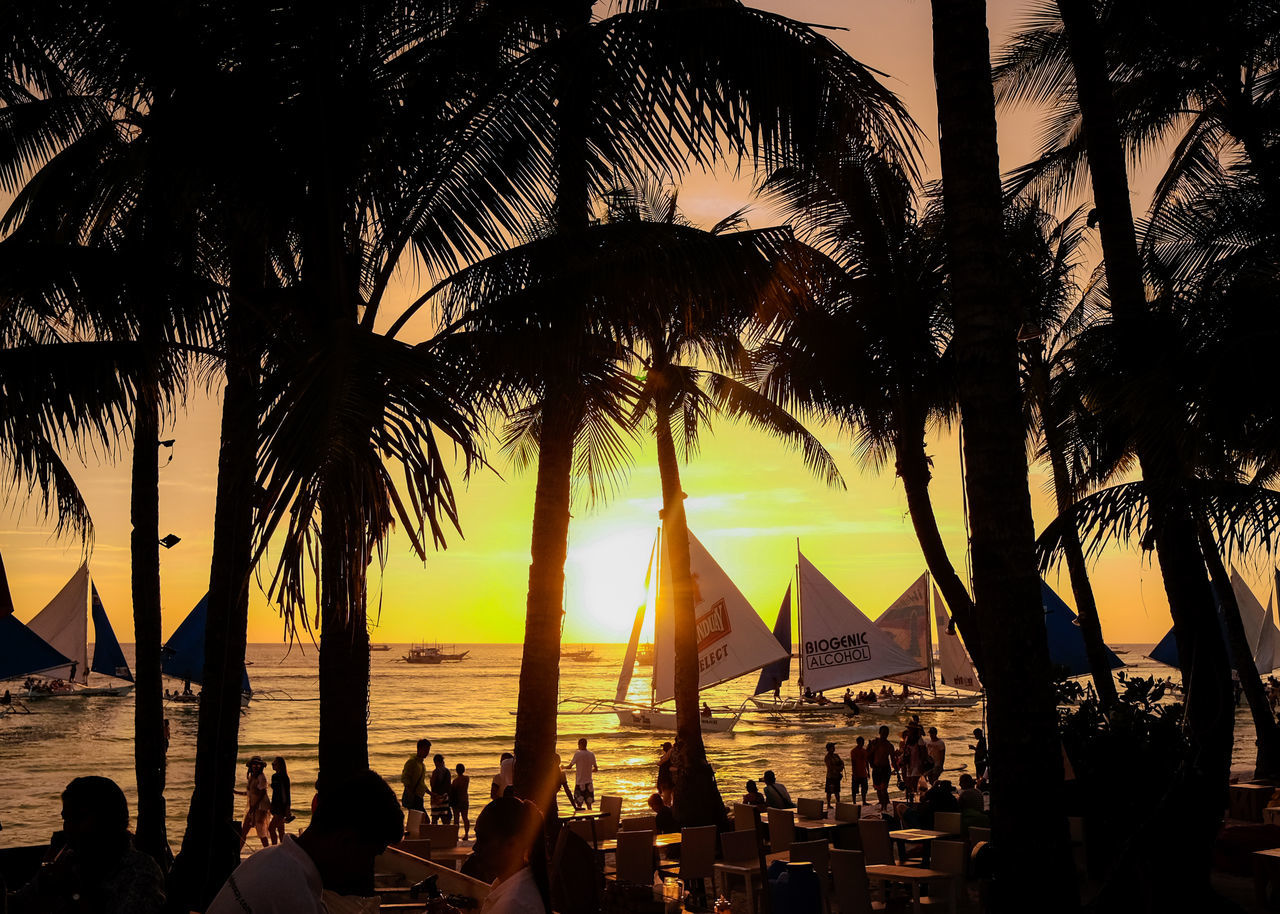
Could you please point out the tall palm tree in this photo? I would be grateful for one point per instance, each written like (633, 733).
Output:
(1204, 660)
(693, 357)
(1021, 706)
(894, 310)
(1046, 254)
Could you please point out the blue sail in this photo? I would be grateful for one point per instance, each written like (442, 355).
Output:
(1066, 641)
(775, 674)
(182, 656)
(1166, 651)
(23, 652)
(108, 659)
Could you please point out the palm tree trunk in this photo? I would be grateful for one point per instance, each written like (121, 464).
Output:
(1021, 705)
(1201, 652)
(913, 470)
(535, 777)
(144, 549)
(211, 844)
(1086, 606)
(696, 798)
(344, 653)
(1268, 758)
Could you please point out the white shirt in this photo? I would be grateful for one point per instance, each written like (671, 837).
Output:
(584, 761)
(281, 879)
(507, 772)
(518, 894)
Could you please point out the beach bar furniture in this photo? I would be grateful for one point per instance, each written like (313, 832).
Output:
(916, 878)
(741, 853)
(807, 808)
(1246, 801)
(853, 888)
(874, 835)
(610, 816)
(782, 830)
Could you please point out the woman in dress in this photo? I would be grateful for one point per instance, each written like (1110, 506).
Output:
(257, 803)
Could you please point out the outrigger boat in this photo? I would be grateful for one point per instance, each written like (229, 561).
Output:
(379, 647)
(581, 655)
(182, 656)
(63, 625)
(433, 654)
(732, 641)
(839, 647)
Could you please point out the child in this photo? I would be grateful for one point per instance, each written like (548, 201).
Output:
(458, 800)
(281, 802)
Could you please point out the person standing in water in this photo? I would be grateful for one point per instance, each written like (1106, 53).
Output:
(858, 765)
(439, 787)
(257, 803)
(281, 801)
(459, 802)
(414, 779)
(835, 774)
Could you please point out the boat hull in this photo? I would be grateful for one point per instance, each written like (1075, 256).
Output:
(86, 692)
(651, 719)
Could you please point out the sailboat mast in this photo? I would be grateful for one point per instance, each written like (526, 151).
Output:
(799, 622)
(929, 618)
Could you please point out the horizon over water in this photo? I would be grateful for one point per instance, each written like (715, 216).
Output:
(463, 708)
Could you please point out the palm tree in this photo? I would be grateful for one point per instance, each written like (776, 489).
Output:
(1045, 256)
(693, 356)
(894, 310)
(1204, 660)
(649, 88)
(1021, 706)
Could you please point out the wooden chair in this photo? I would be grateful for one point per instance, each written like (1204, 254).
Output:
(638, 823)
(876, 849)
(741, 852)
(819, 854)
(949, 822)
(575, 876)
(634, 857)
(948, 857)
(582, 829)
(977, 834)
(848, 812)
(697, 857)
(853, 889)
(607, 825)
(811, 809)
(782, 830)
(745, 817)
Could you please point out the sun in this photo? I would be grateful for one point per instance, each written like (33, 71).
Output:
(604, 584)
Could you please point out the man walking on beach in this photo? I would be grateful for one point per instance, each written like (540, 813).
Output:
(835, 774)
(583, 764)
(858, 765)
(979, 754)
(880, 755)
(414, 779)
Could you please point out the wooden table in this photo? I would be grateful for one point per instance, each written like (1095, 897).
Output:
(1266, 870)
(590, 816)
(914, 876)
(916, 835)
(1246, 801)
(610, 846)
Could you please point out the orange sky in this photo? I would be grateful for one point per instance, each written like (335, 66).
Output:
(749, 499)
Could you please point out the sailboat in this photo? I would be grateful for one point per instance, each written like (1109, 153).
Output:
(1259, 628)
(182, 656)
(732, 641)
(839, 647)
(64, 625)
(907, 622)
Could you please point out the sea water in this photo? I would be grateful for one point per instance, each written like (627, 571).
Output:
(464, 708)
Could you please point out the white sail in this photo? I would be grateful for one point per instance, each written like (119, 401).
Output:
(1257, 624)
(907, 622)
(64, 624)
(954, 666)
(1268, 656)
(840, 646)
(629, 658)
(732, 638)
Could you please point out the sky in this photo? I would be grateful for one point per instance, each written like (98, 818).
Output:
(750, 500)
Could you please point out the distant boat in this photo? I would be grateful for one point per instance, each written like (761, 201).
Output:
(63, 625)
(182, 656)
(1260, 630)
(644, 655)
(379, 647)
(22, 651)
(581, 655)
(433, 653)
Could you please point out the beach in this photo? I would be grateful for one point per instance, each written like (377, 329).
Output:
(464, 709)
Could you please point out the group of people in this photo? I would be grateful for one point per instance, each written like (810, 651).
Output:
(268, 804)
(449, 792)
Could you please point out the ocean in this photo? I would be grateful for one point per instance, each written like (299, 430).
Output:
(464, 708)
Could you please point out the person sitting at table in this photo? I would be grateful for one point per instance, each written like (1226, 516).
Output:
(938, 798)
(753, 797)
(776, 794)
(973, 811)
(665, 819)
